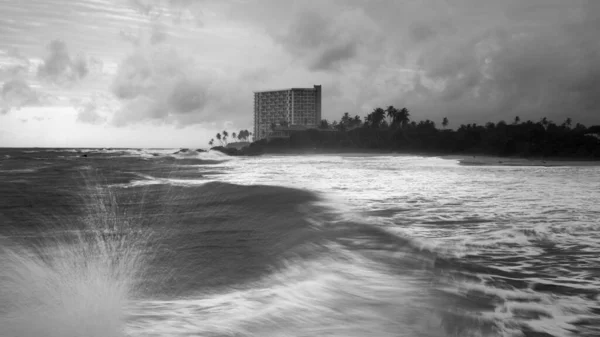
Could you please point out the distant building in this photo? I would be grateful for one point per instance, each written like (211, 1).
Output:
(288, 109)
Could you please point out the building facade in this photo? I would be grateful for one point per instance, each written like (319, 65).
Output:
(292, 108)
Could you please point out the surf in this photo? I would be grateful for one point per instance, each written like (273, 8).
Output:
(221, 248)
(72, 279)
(119, 270)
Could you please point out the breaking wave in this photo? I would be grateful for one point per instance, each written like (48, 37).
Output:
(183, 254)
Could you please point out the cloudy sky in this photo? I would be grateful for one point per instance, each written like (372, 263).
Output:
(171, 73)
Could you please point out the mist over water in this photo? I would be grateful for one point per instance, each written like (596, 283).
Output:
(136, 244)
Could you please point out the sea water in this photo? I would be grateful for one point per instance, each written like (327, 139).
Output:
(151, 243)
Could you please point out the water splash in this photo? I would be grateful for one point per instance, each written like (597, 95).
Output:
(73, 282)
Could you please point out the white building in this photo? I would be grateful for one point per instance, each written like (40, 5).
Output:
(295, 107)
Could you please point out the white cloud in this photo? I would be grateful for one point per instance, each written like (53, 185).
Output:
(13, 65)
(17, 93)
(94, 109)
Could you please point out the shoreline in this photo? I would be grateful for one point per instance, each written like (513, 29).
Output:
(463, 159)
(488, 160)
(466, 159)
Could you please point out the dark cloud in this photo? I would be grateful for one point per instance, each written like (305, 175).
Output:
(17, 93)
(420, 32)
(59, 67)
(550, 68)
(187, 96)
(471, 60)
(331, 57)
(308, 31)
(325, 43)
(159, 84)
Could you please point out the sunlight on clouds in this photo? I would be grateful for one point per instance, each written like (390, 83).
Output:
(48, 126)
(58, 127)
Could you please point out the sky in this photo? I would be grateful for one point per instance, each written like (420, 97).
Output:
(173, 73)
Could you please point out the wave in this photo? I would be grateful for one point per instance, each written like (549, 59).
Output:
(45, 154)
(226, 259)
(110, 270)
(340, 294)
(49, 150)
(205, 155)
(149, 180)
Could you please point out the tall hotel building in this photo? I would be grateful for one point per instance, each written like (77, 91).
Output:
(299, 107)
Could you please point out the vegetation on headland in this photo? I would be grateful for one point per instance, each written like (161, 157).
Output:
(242, 135)
(392, 129)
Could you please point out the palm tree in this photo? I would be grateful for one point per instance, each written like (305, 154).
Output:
(517, 120)
(391, 114)
(234, 136)
(212, 141)
(219, 138)
(377, 116)
(445, 122)
(225, 135)
(403, 116)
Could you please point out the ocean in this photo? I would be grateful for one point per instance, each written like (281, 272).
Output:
(160, 242)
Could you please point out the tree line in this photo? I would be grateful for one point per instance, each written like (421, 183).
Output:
(223, 137)
(393, 129)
